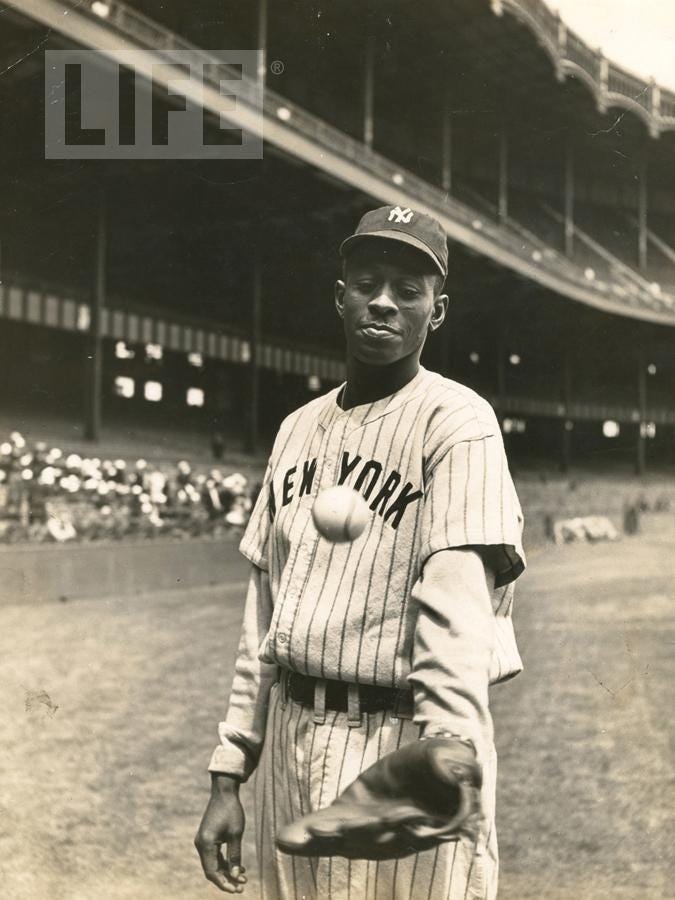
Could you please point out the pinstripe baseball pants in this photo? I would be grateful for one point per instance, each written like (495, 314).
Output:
(304, 766)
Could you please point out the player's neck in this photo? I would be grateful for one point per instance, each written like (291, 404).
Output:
(366, 384)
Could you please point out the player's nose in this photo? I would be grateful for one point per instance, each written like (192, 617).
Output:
(382, 302)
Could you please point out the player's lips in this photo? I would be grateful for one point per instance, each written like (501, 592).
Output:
(378, 329)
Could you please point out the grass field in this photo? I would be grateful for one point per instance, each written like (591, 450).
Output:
(109, 710)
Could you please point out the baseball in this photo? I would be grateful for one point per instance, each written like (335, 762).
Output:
(340, 514)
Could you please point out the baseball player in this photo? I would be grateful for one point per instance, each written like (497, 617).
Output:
(360, 692)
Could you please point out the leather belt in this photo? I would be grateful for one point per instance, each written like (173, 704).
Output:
(371, 698)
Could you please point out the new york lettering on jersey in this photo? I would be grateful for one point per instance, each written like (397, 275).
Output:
(363, 475)
(429, 460)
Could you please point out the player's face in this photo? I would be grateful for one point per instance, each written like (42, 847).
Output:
(388, 303)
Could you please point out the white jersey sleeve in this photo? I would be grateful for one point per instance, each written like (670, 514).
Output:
(470, 499)
(255, 542)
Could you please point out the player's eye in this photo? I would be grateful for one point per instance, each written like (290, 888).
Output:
(409, 293)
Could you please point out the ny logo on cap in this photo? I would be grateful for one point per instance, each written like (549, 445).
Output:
(401, 215)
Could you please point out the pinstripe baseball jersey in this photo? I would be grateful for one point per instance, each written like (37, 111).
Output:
(429, 461)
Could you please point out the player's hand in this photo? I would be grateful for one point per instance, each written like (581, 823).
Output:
(222, 824)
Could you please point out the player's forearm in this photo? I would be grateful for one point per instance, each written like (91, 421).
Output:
(242, 731)
(453, 647)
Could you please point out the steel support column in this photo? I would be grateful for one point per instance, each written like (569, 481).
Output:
(446, 146)
(253, 429)
(262, 42)
(569, 198)
(641, 456)
(252, 432)
(567, 425)
(94, 344)
(369, 92)
(501, 369)
(503, 196)
(642, 214)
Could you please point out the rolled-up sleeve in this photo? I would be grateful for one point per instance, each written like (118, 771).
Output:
(454, 638)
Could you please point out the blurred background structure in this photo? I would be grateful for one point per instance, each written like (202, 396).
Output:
(157, 305)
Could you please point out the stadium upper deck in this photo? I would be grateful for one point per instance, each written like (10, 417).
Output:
(472, 119)
(549, 188)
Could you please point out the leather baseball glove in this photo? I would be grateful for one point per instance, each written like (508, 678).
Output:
(410, 800)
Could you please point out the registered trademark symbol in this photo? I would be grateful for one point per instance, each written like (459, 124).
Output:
(277, 67)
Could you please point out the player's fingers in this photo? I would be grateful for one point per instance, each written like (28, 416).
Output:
(235, 868)
(233, 882)
(214, 867)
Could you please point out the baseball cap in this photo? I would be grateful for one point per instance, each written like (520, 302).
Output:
(406, 226)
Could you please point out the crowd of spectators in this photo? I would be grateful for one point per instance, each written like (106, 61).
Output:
(47, 494)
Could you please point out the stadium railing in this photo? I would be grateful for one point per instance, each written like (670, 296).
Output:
(611, 84)
(604, 269)
(624, 278)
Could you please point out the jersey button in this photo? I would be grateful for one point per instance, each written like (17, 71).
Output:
(281, 637)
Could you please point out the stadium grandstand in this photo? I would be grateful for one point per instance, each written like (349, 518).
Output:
(194, 296)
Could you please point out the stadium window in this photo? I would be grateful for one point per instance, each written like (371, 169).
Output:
(397, 178)
(648, 430)
(195, 396)
(610, 429)
(589, 274)
(153, 391)
(124, 386)
(514, 426)
(474, 357)
(313, 383)
(196, 359)
(122, 351)
(83, 318)
(154, 352)
(514, 359)
(284, 113)
(651, 368)
(569, 425)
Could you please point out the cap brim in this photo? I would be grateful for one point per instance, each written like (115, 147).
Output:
(400, 237)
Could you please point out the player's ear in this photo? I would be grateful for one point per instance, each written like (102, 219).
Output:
(440, 309)
(340, 297)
